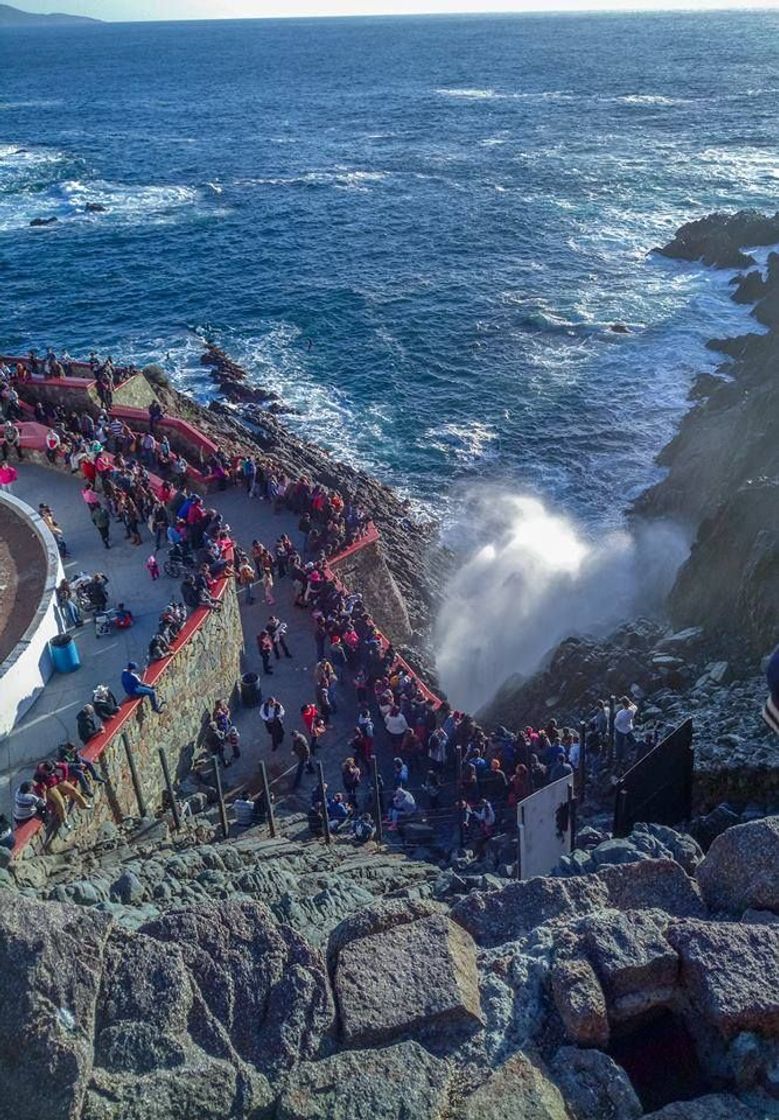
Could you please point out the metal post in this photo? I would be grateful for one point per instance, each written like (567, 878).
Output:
(321, 775)
(377, 807)
(268, 802)
(169, 787)
(612, 714)
(458, 796)
(582, 758)
(221, 799)
(134, 775)
(573, 804)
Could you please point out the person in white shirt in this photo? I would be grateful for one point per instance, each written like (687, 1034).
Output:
(623, 729)
(403, 806)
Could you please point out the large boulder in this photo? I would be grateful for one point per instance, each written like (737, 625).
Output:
(519, 1090)
(383, 915)
(594, 1086)
(210, 1089)
(51, 960)
(401, 1082)
(416, 977)
(714, 1106)
(260, 984)
(718, 239)
(637, 968)
(730, 975)
(580, 1002)
(741, 868)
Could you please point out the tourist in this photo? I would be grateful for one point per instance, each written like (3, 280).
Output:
(89, 723)
(8, 476)
(337, 812)
(560, 768)
(152, 567)
(245, 578)
(51, 782)
(363, 829)
(351, 777)
(66, 601)
(104, 701)
(396, 725)
(267, 583)
(53, 445)
(432, 789)
(215, 742)
(134, 687)
(400, 773)
(302, 752)
(11, 440)
(101, 521)
(265, 648)
(277, 630)
(28, 805)
(272, 715)
(80, 767)
(403, 807)
(519, 785)
(480, 820)
(624, 739)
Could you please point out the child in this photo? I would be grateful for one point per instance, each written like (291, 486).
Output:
(152, 567)
(267, 583)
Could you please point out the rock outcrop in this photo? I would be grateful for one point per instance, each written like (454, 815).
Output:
(740, 868)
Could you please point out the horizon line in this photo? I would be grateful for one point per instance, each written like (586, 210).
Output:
(661, 9)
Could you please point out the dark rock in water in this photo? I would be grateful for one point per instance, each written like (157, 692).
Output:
(718, 239)
(749, 288)
(95, 208)
(619, 328)
(43, 221)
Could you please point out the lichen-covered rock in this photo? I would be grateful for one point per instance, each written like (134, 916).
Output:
(263, 984)
(730, 974)
(637, 968)
(519, 1090)
(208, 1090)
(580, 1002)
(50, 962)
(408, 979)
(741, 868)
(594, 1086)
(401, 1082)
(383, 915)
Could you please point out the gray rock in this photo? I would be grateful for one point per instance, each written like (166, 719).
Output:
(658, 884)
(401, 1082)
(51, 960)
(594, 1086)
(714, 1106)
(379, 917)
(128, 889)
(741, 868)
(416, 977)
(580, 1002)
(636, 967)
(518, 1090)
(730, 975)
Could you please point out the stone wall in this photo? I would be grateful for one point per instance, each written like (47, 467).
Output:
(365, 572)
(207, 665)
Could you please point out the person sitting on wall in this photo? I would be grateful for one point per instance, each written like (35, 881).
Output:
(51, 781)
(159, 647)
(80, 767)
(88, 723)
(134, 687)
(771, 708)
(28, 805)
(403, 807)
(104, 701)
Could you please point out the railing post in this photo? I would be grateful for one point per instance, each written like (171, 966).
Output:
(169, 787)
(134, 775)
(582, 758)
(221, 799)
(326, 821)
(612, 714)
(377, 806)
(458, 795)
(268, 802)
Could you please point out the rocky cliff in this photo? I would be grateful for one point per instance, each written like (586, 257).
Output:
(335, 992)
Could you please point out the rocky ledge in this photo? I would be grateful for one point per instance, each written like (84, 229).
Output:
(550, 999)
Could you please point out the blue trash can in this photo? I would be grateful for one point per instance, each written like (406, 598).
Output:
(64, 653)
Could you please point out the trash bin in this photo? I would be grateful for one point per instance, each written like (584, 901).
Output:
(64, 653)
(251, 694)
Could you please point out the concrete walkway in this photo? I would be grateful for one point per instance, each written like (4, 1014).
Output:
(53, 717)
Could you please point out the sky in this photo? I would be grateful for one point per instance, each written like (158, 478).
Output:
(234, 9)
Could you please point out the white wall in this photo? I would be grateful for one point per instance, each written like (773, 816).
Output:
(540, 846)
(25, 671)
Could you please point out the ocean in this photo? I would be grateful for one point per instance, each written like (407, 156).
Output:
(418, 231)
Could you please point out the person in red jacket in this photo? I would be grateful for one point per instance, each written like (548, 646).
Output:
(51, 781)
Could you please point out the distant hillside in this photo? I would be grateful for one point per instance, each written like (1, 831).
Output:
(13, 17)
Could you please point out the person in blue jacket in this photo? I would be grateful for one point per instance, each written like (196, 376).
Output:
(771, 708)
(134, 686)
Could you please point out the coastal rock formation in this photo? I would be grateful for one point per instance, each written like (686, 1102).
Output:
(741, 868)
(719, 239)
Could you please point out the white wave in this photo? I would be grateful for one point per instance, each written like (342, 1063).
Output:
(465, 444)
(651, 99)
(6, 106)
(128, 202)
(534, 579)
(471, 94)
(340, 178)
(215, 187)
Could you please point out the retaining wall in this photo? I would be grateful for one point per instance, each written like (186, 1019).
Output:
(205, 664)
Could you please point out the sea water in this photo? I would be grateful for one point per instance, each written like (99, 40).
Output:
(420, 232)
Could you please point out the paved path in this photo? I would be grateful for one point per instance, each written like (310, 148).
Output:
(53, 717)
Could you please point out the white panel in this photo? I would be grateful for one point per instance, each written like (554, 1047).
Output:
(540, 842)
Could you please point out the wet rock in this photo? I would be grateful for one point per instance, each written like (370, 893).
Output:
(401, 1082)
(730, 974)
(95, 208)
(741, 868)
(594, 1086)
(718, 238)
(43, 221)
(519, 1090)
(412, 978)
